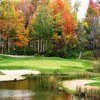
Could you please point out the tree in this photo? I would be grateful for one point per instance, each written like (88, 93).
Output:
(27, 9)
(21, 37)
(43, 26)
(92, 19)
(64, 23)
(12, 30)
(6, 20)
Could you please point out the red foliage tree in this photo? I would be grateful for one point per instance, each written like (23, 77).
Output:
(95, 8)
(27, 9)
(68, 25)
(62, 15)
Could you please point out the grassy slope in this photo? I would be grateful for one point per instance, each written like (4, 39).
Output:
(44, 63)
(47, 64)
(95, 83)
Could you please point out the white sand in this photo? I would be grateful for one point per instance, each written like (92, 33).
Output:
(15, 74)
(72, 85)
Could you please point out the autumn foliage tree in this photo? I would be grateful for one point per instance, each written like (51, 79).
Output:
(27, 9)
(64, 23)
(93, 21)
(63, 16)
(12, 30)
(6, 16)
(21, 33)
(44, 26)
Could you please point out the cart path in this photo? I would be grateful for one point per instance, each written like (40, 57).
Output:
(11, 75)
(72, 85)
(16, 56)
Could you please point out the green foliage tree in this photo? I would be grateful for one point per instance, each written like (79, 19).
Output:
(43, 26)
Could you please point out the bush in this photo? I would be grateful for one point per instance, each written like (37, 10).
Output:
(72, 54)
(19, 51)
(87, 55)
(37, 55)
(29, 51)
(49, 53)
(55, 53)
(96, 66)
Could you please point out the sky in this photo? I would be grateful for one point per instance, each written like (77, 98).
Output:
(83, 8)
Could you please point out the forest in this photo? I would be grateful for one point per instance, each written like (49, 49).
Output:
(49, 28)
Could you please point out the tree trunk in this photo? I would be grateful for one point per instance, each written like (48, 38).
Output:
(46, 45)
(8, 47)
(80, 55)
(38, 45)
(41, 47)
(2, 47)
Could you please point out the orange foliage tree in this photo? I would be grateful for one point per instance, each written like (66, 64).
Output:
(21, 33)
(63, 16)
(64, 22)
(12, 30)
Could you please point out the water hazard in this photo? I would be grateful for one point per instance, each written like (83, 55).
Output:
(30, 90)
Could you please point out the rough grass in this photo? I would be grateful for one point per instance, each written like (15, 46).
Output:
(47, 64)
(1, 73)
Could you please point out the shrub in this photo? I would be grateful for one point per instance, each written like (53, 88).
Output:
(56, 53)
(87, 55)
(72, 54)
(96, 66)
(37, 55)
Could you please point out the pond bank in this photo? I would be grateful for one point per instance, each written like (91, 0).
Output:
(73, 84)
(10, 75)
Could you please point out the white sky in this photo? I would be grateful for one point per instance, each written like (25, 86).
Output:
(83, 7)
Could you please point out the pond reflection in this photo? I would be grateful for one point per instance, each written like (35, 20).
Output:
(15, 93)
(30, 90)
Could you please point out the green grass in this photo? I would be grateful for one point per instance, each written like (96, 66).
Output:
(96, 78)
(44, 64)
(94, 84)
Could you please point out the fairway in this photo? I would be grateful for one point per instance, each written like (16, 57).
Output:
(44, 63)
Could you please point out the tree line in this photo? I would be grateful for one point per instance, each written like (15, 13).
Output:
(49, 28)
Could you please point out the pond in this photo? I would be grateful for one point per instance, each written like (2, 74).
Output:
(30, 90)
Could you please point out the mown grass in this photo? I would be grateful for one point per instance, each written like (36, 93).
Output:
(96, 78)
(50, 64)
(94, 84)
(44, 64)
